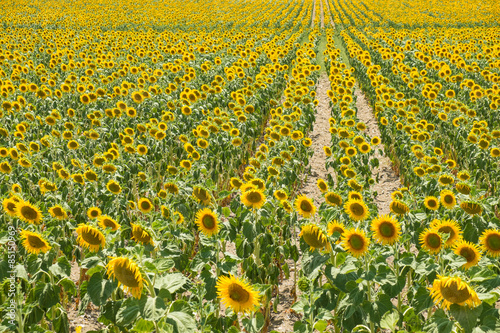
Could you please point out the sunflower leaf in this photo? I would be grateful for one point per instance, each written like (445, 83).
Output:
(466, 316)
(181, 321)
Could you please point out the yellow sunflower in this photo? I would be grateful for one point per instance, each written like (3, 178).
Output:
(471, 207)
(105, 221)
(207, 222)
(113, 187)
(93, 213)
(490, 242)
(28, 212)
(58, 212)
(280, 195)
(34, 242)
(452, 290)
(449, 227)
(9, 206)
(335, 226)
(90, 237)
(333, 199)
(323, 187)
(355, 242)
(237, 294)
(448, 199)
(202, 195)
(314, 237)
(357, 210)
(386, 229)
(399, 207)
(127, 273)
(431, 240)
(304, 206)
(141, 235)
(145, 205)
(253, 198)
(431, 203)
(469, 251)
(236, 182)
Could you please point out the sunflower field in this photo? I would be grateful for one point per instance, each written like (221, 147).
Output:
(155, 155)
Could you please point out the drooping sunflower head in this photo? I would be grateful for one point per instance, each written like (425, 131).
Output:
(145, 205)
(58, 212)
(357, 210)
(333, 199)
(171, 188)
(452, 290)
(314, 237)
(202, 195)
(490, 242)
(253, 198)
(431, 203)
(431, 240)
(355, 242)
(207, 222)
(451, 228)
(471, 207)
(90, 237)
(237, 294)
(141, 235)
(386, 229)
(33, 242)
(304, 206)
(335, 226)
(107, 222)
(398, 207)
(463, 188)
(447, 199)
(28, 212)
(469, 251)
(127, 273)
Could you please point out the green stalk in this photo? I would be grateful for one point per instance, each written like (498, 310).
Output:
(369, 284)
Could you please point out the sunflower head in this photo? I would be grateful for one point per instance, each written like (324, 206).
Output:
(253, 198)
(471, 207)
(145, 205)
(207, 222)
(58, 212)
(280, 195)
(34, 242)
(28, 212)
(314, 237)
(323, 187)
(333, 199)
(448, 199)
(355, 242)
(452, 290)
(237, 294)
(386, 229)
(107, 222)
(90, 237)
(202, 195)
(141, 235)
(357, 209)
(398, 207)
(9, 206)
(335, 226)
(431, 240)
(469, 251)
(431, 203)
(449, 227)
(127, 273)
(490, 242)
(305, 206)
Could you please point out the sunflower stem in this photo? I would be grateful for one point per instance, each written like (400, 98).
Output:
(396, 270)
(369, 293)
(151, 287)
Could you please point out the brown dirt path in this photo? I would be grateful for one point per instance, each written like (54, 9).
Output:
(313, 14)
(322, 15)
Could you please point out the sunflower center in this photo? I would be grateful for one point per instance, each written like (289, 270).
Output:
(452, 294)
(114, 187)
(108, 223)
(35, 242)
(493, 242)
(447, 230)
(11, 206)
(254, 197)
(432, 203)
(387, 229)
(29, 213)
(145, 205)
(357, 209)
(314, 238)
(357, 242)
(94, 213)
(468, 254)
(58, 212)
(208, 222)
(126, 276)
(91, 237)
(434, 241)
(306, 206)
(238, 293)
(448, 199)
(140, 235)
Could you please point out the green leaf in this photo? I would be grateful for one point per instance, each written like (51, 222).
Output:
(321, 325)
(152, 308)
(47, 295)
(255, 324)
(171, 282)
(390, 320)
(99, 289)
(128, 312)
(61, 324)
(439, 323)
(466, 316)
(181, 321)
(226, 211)
(143, 325)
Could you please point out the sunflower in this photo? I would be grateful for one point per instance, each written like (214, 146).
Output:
(178, 217)
(90, 237)
(287, 206)
(93, 212)
(237, 294)
(357, 210)
(471, 207)
(463, 188)
(490, 242)
(34, 242)
(5, 167)
(9, 206)
(28, 212)
(113, 187)
(447, 199)
(280, 195)
(253, 198)
(469, 251)
(431, 203)
(207, 222)
(335, 226)
(58, 212)
(431, 240)
(127, 273)
(449, 227)
(305, 206)
(105, 221)
(235, 182)
(202, 195)
(314, 237)
(333, 199)
(386, 229)
(145, 205)
(398, 207)
(323, 187)
(171, 188)
(355, 242)
(452, 290)
(141, 235)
